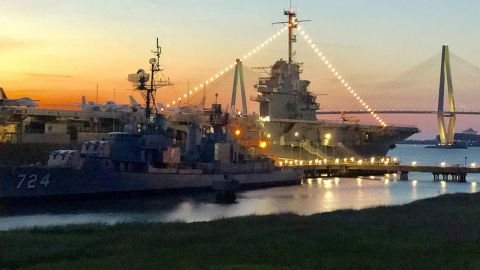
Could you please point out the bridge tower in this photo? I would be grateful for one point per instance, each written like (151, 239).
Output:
(446, 133)
(239, 75)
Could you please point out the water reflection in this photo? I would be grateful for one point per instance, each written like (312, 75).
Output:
(315, 195)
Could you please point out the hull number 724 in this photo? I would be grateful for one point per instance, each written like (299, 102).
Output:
(32, 181)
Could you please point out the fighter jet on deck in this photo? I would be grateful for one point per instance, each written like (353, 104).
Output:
(110, 106)
(18, 102)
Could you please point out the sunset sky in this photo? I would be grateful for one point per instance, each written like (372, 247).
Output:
(57, 51)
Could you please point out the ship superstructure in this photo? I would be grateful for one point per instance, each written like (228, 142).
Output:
(289, 121)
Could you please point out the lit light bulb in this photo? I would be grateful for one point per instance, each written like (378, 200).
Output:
(341, 79)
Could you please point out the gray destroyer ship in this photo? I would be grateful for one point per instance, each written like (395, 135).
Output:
(157, 156)
(289, 123)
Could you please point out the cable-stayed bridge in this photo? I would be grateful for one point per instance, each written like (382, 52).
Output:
(416, 91)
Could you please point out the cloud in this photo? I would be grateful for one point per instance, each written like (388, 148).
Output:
(53, 76)
(7, 43)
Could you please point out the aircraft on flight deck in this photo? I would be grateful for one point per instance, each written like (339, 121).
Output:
(110, 106)
(17, 102)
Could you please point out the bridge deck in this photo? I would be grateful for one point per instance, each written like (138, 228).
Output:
(398, 112)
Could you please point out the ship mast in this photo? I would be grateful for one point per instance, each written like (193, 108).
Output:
(292, 24)
(154, 85)
(141, 78)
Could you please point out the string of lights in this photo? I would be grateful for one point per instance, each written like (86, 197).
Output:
(226, 69)
(340, 78)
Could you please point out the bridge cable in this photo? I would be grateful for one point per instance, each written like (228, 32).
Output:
(341, 79)
(228, 67)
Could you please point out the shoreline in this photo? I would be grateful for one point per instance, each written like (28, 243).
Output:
(441, 232)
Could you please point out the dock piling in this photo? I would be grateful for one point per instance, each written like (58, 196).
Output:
(404, 175)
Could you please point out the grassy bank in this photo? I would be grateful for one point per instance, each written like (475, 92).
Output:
(439, 233)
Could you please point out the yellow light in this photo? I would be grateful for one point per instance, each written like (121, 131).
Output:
(443, 164)
(473, 165)
(337, 181)
(263, 144)
(414, 163)
(280, 163)
(237, 132)
(352, 159)
(328, 184)
(268, 135)
(337, 161)
(342, 80)
(328, 136)
(359, 182)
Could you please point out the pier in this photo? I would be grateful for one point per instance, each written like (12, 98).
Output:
(452, 173)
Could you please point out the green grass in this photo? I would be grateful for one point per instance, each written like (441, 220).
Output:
(439, 233)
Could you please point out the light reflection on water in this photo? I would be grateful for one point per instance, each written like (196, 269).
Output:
(315, 195)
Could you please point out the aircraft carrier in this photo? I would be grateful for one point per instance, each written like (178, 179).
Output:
(288, 121)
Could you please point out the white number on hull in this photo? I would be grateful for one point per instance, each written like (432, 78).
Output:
(32, 181)
(22, 178)
(45, 180)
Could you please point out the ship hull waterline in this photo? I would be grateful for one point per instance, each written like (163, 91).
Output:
(33, 183)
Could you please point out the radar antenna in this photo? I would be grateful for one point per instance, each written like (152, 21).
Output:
(292, 24)
(140, 79)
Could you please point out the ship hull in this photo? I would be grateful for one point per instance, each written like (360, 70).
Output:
(300, 139)
(36, 183)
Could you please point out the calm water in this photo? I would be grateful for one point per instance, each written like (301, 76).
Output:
(313, 196)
